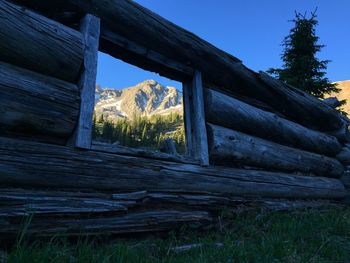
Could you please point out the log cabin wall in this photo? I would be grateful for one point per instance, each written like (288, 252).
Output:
(40, 66)
(268, 144)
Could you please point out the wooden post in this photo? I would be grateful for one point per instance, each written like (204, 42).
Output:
(90, 27)
(196, 134)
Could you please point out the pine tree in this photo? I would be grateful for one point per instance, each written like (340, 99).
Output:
(301, 68)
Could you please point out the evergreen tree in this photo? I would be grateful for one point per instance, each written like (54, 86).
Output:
(301, 68)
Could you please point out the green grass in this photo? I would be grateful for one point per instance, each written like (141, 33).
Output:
(255, 236)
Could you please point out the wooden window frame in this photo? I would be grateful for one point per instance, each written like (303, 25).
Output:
(194, 116)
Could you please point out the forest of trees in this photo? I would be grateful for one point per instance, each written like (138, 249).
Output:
(141, 131)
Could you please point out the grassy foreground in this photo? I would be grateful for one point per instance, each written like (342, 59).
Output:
(321, 235)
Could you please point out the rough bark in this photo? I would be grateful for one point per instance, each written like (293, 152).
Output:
(235, 148)
(36, 106)
(35, 42)
(29, 164)
(229, 112)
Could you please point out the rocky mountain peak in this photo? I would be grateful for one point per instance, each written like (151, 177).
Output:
(146, 98)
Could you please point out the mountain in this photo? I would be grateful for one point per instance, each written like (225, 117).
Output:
(146, 99)
(344, 94)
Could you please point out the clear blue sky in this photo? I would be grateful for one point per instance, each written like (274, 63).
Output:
(251, 30)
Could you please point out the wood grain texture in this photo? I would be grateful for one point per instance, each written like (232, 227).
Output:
(35, 42)
(308, 107)
(139, 25)
(344, 155)
(69, 212)
(231, 113)
(90, 28)
(234, 148)
(36, 106)
(139, 152)
(188, 111)
(199, 136)
(30, 164)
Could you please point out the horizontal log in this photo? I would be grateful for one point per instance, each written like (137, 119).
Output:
(235, 148)
(229, 112)
(301, 106)
(36, 106)
(332, 102)
(31, 164)
(141, 222)
(37, 43)
(140, 152)
(51, 212)
(183, 49)
(344, 156)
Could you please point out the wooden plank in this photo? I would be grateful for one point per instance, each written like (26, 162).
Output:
(139, 152)
(90, 28)
(36, 106)
(37, 43)
(143, 57)
(200, 141)
(234, 148)
(35, 165)
(188, 111)
(231, 113)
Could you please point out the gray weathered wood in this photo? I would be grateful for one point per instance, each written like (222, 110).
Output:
(188, 111)
(133, 223)
(229, 112)
(53, 212)
(90, 28)
(137, 24)
(200, 141)
(332, 102)
(36, 106)
(231, 147)
(294, 102)
(344, 156)
(35, 42)
(144, 57)
(140, 152)
(343, 133)
(30, 164)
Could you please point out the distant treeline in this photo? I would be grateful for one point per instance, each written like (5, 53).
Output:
(141, 131)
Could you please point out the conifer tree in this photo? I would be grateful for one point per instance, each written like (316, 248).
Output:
(301, 68)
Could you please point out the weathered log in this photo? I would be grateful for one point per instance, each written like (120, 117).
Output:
(36, 106)
(229, 112)
(35, 42)
(140, 222)
(196, 131)
(141, 152)
(235, 148)
(295, 102)
(31, 164)
(137, 24)
(344, 156)
(343, 133)
(49, 212)
(332, 102)
(90, 28)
